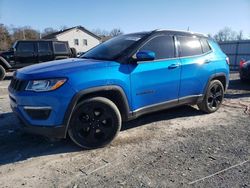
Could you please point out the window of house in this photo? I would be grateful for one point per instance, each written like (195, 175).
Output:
(85, 42)
(76, 42)
(163, 46)
(189, 46)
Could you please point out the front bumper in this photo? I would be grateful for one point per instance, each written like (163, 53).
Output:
(42, 113)
(51, 132)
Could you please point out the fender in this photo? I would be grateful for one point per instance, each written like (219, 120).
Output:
(93, 91)
(5, 63)
(210, 79)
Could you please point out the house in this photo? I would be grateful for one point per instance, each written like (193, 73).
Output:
(78, 37)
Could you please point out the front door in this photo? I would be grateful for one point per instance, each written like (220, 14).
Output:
(156, 82)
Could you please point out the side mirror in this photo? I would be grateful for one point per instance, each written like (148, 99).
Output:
(12, 49)
(145, 55)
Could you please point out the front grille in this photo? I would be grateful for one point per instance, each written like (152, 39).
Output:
(17, 84)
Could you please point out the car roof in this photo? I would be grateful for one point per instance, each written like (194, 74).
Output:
(180, 32)
(172, 32)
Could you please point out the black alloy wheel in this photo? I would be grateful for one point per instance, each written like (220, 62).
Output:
(95, 123)
(213, 98)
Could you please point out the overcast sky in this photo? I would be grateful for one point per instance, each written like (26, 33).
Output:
(206, 16)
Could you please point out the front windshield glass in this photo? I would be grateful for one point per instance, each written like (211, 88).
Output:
(112, 48)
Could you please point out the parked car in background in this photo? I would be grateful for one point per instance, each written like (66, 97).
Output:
(121, 79)
(29, 52)
(244, 70)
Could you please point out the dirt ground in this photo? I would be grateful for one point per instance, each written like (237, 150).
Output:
(180, 147)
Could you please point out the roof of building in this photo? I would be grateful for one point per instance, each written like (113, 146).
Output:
(53, 35)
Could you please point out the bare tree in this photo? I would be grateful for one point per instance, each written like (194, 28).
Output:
(100, 32)
(5, 39)
(225, 34)
(115, 32)
(24, 33)
(48, 31)
(240, 35)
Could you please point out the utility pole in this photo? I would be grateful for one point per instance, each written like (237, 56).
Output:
(23, 34)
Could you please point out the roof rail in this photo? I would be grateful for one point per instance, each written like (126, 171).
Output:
(183, 31)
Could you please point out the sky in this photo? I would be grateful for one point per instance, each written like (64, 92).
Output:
(205, 16)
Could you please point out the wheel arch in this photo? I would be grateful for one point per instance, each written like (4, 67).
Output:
(112, 92)
(218, 76)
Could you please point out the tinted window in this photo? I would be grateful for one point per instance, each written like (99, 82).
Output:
(114, 47)
(44, 47)
(189, 46)
(60, 47)
(25, 47)
(205, 46)
(163, 46)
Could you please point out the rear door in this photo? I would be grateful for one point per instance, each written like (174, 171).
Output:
(155, 82)
(197, 65)
(45, 52)
(25, 54)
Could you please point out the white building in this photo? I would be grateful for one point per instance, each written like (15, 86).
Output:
(78, 37)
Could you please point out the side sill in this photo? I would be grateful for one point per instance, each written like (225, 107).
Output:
(191, 100)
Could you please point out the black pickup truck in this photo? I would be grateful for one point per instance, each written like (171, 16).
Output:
(29, 52)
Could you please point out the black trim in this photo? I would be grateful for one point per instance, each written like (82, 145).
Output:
(213, 76)
(166, 105)
(53, 132)
(94, 90)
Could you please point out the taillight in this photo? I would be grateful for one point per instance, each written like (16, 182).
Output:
(242, 62)
(227, 60)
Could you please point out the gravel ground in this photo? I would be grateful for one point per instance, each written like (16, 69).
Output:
(180, 147)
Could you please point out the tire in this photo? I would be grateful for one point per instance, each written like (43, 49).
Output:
(73, 52)
(95, 122)
(213, 98)
(2, 72)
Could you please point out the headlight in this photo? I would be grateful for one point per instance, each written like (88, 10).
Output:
(45, 85)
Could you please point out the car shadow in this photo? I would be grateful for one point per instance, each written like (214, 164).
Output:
(16, 146)
(239, 85)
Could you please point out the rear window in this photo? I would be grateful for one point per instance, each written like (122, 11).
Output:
(205, 46)
(60, 47)
(25, 47)
(189, 46)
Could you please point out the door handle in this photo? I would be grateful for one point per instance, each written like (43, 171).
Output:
(207, 61)
(173, 66)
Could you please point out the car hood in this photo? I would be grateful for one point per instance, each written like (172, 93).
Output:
(6, 53)
(59, 68)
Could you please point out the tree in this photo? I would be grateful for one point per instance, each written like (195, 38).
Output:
(115, 32)
(5, 38)
(24, 33)
(225, 34)
(100, 32)
(48, 31)
(240, 35)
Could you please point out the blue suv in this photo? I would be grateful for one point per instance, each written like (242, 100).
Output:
(123, 78)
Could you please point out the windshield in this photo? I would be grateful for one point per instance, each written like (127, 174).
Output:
(112, 48)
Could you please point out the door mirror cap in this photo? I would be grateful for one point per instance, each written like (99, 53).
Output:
(145, 55)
